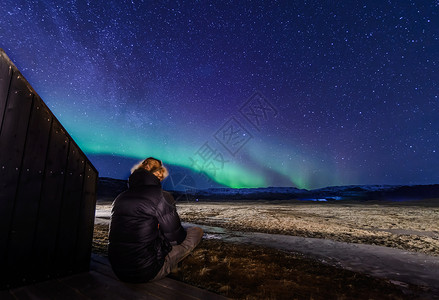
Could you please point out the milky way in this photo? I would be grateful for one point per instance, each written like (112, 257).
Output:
(274, 93)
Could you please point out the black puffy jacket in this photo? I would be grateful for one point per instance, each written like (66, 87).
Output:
(137, 244)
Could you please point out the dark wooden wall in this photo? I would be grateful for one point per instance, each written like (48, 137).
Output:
(47, 189)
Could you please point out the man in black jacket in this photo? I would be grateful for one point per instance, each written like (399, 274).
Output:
(146, 239)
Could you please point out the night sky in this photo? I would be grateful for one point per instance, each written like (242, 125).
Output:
(254, 94)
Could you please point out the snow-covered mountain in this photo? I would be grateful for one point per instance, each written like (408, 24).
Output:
(360, 192)
(108, 187)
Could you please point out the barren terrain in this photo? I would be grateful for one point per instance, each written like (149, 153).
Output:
(243, 270)
(409, 227)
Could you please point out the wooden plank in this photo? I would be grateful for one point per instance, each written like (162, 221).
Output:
(52, 289)
(166, 287)
(5, 295)
(5, 80)
(70, 208)
(26, 206)
(98, 286)
(101, 283)
(175, 285)
(12, 140)
(154, 289)
(41, 199)
(86, 219)
(44, 245)
(150, 288)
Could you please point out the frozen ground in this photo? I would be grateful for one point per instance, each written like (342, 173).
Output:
(406, 237)
(399, 266)
(396, 225)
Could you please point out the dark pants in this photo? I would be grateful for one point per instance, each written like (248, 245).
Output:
(179, 252)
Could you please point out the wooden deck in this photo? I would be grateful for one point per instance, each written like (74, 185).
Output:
(101, 283)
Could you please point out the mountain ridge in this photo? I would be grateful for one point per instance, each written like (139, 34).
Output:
(109, 187)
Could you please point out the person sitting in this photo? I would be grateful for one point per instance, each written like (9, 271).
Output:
(146, 238)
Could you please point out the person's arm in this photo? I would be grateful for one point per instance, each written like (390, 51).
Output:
(169, 221)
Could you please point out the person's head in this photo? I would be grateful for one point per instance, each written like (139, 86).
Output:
(161, 173)
(153, 165)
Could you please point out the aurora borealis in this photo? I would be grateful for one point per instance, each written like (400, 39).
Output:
(253, 93)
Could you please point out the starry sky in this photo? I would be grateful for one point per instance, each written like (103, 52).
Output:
(247, 93)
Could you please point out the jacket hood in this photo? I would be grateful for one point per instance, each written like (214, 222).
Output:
(142, 177)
